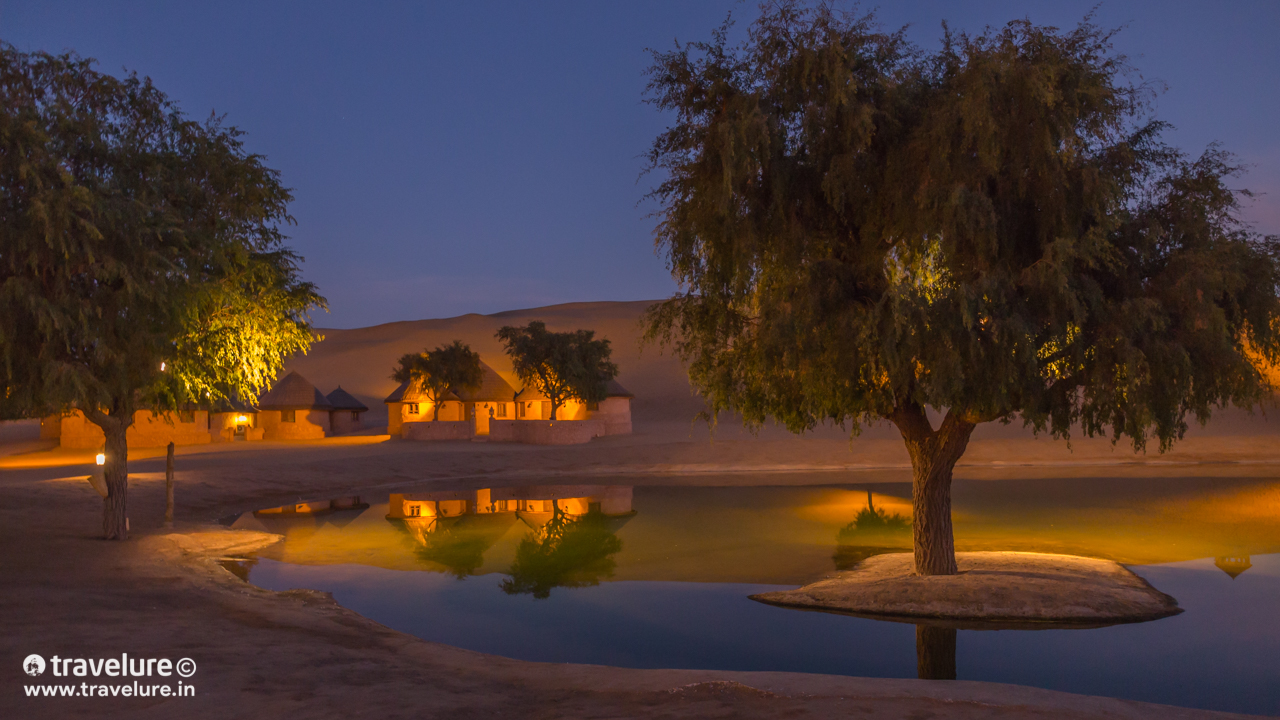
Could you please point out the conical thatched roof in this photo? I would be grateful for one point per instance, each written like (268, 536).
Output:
(492, 389)
(342, 400)
(293, 392)
(613, 388)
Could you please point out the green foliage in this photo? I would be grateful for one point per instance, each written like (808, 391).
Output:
(863, 229)
(566, 552)
(447, 369)
(134, 237)
(560, 365)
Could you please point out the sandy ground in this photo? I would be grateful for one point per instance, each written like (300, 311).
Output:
(1014, 587)
(296, 654)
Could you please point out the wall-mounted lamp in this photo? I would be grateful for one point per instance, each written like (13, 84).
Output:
(100, 459)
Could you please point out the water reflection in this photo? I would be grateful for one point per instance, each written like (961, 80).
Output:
(570, 532)
(566, 551)
(874, 531)
(935, 652)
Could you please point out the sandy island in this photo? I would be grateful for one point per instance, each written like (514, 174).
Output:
(297, 654)
(1012, 588)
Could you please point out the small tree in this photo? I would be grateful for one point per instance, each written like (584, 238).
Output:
(863, 230)
(142, 266)
(436, 373)
(561, 365)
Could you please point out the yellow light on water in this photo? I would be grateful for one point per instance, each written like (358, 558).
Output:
(100, 458)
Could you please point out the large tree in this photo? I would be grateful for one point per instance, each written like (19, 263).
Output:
(142, 264)
(436, 373)
(561, 365)
(864, 231)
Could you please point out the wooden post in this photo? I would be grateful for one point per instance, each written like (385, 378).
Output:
(168, 488)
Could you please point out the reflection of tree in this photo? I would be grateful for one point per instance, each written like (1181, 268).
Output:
(935, 653)
(566, 552)
(872, 532)
(458, 543)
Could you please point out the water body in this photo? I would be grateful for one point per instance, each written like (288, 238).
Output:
(652, 577)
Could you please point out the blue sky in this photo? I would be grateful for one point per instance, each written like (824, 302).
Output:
(483, 156)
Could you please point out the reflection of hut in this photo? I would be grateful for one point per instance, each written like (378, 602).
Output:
(345, 415)
(232, 419)
(293, 409)
(1233, 565)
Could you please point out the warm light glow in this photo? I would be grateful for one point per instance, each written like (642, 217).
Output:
(100, 459)
(242, 418)
(162, 367)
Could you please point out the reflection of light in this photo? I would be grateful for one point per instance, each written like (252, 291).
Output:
(242, 418)
(100, 459)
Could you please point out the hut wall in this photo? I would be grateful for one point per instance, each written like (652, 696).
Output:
(308, 425)
(148, 430)
(614, 414)
(342, 422)
(51, 427)
(222, 426)
(395, 418)
(441, 430)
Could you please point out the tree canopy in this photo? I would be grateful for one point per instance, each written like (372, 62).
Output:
(863, 230)
(560, 365)
(436, 373)
(143, 265)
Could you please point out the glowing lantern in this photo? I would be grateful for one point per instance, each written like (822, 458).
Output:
(100, 458)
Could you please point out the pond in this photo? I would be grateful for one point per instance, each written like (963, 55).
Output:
(659, 576)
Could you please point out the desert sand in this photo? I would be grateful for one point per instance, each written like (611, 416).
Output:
(297, 654)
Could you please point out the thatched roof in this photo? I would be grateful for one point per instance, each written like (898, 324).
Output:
(492, 389)
(404, 392)
(612, 388)
(293, 392)
(232, 405)
(342, 400)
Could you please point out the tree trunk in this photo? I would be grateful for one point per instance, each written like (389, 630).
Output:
(935, 653)
(115, 518)
(933, 457)
(168, 487)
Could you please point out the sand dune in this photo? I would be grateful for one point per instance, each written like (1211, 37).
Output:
(361, 360)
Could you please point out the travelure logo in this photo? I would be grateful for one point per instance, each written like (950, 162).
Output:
(34, 665)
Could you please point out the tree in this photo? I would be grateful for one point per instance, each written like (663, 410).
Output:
(142, 267)
(561, 365)
(863, 231)
(447, 369)
(566, 552)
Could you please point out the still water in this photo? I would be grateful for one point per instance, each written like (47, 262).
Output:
(660, 577)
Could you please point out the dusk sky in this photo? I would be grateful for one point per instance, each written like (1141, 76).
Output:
(454, 157)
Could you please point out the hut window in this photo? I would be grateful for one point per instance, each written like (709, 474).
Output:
(502, 409)
(593, 406)
(412, 408)
(415, 511)
(519, 410)
(288, 416)
(187, 416)
(355, 415)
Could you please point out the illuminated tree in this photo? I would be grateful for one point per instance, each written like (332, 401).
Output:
(863, 230)
(436, 373)
(561, 365)
(142, 265)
